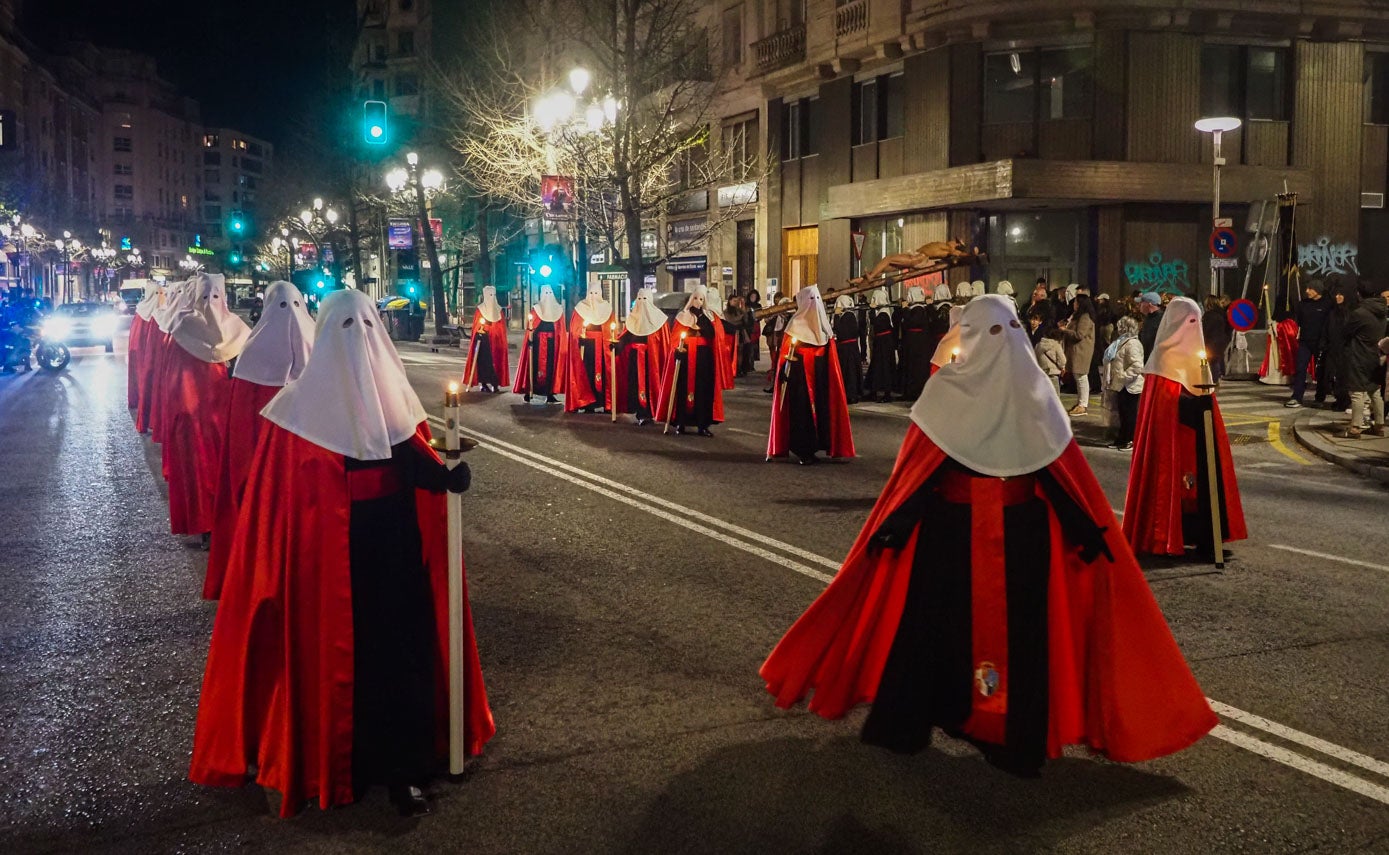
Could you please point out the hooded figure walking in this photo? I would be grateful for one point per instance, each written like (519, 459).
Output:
(846, 339)
(810, 412)
(1168, 503)
(587, 374)
(693, 379)
(541, 369)
(275, 353)
(327, 670)
(1019, 620)
(882, 348)
(915, 344)
(487, 357)
(641, 353)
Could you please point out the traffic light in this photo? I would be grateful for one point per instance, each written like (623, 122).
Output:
(549, 265)
(374, 127)
(234, 258)
(237, 223)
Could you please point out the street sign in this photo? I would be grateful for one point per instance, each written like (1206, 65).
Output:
(859, 238)
(1218, 263)
(1224, 223)
(1224, 242)
(1243, 314)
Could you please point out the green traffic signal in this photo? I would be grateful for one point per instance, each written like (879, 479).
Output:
(374, 122)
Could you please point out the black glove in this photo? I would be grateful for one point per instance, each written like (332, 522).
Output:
(460, 478)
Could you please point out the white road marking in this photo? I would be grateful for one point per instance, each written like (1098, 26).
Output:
(644, 501)
(1316, 769)
(1326, 556)
(1330, 749)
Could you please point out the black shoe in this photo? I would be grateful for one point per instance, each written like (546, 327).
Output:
(643, 422)
(768, 390)
(551, 399)
(206, 543)
(807, 461)
(526, 398)
(409, 800)
(705, 432)
(680, 430)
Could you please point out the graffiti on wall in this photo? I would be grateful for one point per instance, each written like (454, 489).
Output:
(1323, 257)
(1157, 274)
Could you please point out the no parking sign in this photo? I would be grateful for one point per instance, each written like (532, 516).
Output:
(1243, 314)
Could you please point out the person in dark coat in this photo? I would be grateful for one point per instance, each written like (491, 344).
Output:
(1345, 298)
(1215, 326)
(773, 329)
(1041, 309)
(846, 339)
(1150, 307)
(1311, 315)
(882, 348)
(1364, 329)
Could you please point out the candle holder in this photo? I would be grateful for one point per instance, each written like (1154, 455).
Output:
(1207, 378)
(791, 352)
(954, 355)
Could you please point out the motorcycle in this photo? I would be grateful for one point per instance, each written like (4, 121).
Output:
(21, 347)
(51, 354)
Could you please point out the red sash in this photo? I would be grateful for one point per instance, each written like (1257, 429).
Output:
(692, 346)
(639, 354)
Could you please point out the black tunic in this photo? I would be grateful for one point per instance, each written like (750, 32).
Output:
(882, 353)
(635, 359)
(393, 629)
(701, 415)
(916, 350)
(808, 434)
(486, 370)
(542, 374)
(846, 338)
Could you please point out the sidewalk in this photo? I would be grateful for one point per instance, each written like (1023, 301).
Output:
(1319, 432)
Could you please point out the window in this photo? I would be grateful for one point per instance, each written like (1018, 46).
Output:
(1021, 87)
(732, 36)
(739, 141)
(212, 213)
(878, 109)
(1377, 88)
(1010, 88)
(122, 144)
(405, 43)
(212, 176)
(1066, 81)
(1244, 82)
(122, 212)
(124, 169)
(210, 141)
(211, 196)
(378, 52)
(183, 201)
(800, 126)
(378, 89)
(124, 191)
(407, 84)
(212, 158)
(251, 166)
(255, 150)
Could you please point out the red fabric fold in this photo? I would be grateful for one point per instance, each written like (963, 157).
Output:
(490, 334)
(244, 430)
(841, 431)
(195, 419)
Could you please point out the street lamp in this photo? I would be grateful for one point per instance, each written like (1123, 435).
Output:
(23, 233)
(1216, 126)
(319, 222)
(426, 185)
(103, 255)
(67, 246)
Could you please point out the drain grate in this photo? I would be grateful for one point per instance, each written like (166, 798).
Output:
(1247, 438)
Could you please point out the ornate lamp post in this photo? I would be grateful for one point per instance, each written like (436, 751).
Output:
(424, 186)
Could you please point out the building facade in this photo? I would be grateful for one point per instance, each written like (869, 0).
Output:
(1057, 137)
(233, 166)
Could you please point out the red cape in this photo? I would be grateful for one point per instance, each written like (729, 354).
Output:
(654, 361)
(1285, 339)
(244, 429)
(841, 434)
(728, 356)
(1117, 681)
(494, 334)
(580, 390)
(668, 370)
(132, 361)
(523, 365)
(195, 418)
(163, 343)
(1164, 449)
(144, 361)
(278, 687)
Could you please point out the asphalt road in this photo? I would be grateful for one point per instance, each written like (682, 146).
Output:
(626, 586)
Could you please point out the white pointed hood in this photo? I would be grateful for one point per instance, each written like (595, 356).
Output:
(207, 328)
(645, 318)
(810, 324)
(593, 309)
(175, 296)
(547, 308)
(1180, 342)
(916, 295)
(950, 342)
(994, 410)
(278, 348)
(976, 288)
(878, 299)
(942, 293)
(489, 308)
(1071, 291)
(1005, 288)
(696, 300)
(843, 303)
(713, 303)
(149, 302)
(353, 397)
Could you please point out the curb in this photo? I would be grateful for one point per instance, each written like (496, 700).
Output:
(1310, 438)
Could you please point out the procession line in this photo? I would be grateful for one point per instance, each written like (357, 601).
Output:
(1267, 750)
(1330, 749)
(731, 528)
(1292, 759)
(1329, 557)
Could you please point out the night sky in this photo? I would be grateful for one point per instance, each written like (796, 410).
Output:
(273, 68)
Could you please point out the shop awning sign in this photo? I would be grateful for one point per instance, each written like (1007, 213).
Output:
(688, 264)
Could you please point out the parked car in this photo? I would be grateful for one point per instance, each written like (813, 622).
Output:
(83, 325)
(671, 302)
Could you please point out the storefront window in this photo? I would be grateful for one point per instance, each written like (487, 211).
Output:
(1024, 246)
(882, 237)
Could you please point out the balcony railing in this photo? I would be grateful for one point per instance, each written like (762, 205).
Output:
(780, 49)
(851, 18)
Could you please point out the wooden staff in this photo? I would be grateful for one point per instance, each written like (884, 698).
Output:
(675, 383)
(452, 453)
(1212, 476)
(531, 345)
(612, 355)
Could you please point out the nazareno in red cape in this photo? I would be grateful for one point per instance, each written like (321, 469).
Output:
(195, 418)
(652, 351)
(841, 434)
(494, 338)
(132, 362)
(1117, 681)
(721, 367)
(244, 429)
(143, 358)
(1163, 450)
(558, 340)
(278, 687)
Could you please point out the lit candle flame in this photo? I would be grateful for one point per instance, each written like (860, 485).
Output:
(453, 388)
(954, 354)
(1201, 354)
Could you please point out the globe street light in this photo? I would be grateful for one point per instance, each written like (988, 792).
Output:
(425, 185)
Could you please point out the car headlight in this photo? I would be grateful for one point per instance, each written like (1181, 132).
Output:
(105, 326)
(56, 328)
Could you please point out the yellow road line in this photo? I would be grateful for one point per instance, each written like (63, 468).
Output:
(1275, 438)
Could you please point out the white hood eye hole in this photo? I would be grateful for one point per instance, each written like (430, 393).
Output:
(347, 323)
(995, 329)
(368, 323)
(1015, 325)
(284, 305)
(296, 302)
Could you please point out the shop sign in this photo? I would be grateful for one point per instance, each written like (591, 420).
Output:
(687, 231)
(688, 264)
(400, 234)
(200, 250)
(738, 194)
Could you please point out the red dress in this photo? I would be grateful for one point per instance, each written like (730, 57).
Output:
(815, 416)
(244, 429)
(1114, 679)
(195, 419)
(278, 691)
(492, 336)
(1167, 477)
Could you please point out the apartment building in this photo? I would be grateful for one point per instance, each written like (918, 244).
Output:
(233, 166)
